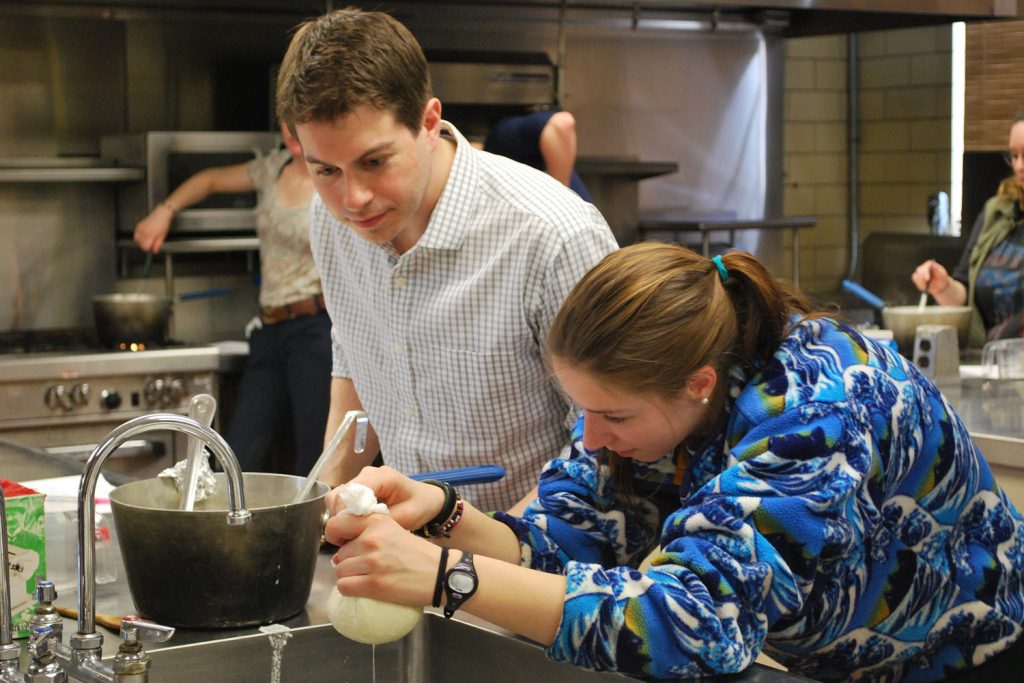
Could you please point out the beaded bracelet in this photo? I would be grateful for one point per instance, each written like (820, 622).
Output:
(448, 517)
(167, 205)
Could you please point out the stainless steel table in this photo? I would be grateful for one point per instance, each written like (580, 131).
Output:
(663, 222)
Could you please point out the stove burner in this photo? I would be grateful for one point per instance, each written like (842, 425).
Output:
(69, 340)
(48, 341)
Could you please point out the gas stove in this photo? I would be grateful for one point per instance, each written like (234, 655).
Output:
(61, 392)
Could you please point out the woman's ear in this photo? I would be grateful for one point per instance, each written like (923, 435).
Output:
(701, 384)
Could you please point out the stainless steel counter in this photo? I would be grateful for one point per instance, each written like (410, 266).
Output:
(993, 411)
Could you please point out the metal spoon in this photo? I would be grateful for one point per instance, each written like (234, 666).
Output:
(201, 409)
(361, 421)
(923, 301)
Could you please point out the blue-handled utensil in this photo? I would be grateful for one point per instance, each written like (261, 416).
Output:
(476, 474)
(871, 299)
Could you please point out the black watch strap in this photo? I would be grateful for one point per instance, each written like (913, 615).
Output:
(460, 582)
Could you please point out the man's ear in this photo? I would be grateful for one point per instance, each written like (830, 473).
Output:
(701, 384)
(432, 118)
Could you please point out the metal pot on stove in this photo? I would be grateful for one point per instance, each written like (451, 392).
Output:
(127, 318)
(137, 317)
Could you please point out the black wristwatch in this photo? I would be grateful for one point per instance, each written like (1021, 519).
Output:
(460, 583)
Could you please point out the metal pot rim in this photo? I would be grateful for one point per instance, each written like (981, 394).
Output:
(938, 308)
(130, 297)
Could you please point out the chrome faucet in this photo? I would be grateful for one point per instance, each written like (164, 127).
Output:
(9, 650)
(82, 660)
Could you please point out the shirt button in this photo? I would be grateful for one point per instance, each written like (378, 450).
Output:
(410, 411)
(399, 349)
(400, 281)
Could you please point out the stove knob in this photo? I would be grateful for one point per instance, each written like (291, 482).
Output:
(80, 394)
(110, 399)
(153, 391)
(178, 391)
(57, 397)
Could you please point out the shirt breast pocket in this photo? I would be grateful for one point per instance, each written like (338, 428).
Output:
(477, 396)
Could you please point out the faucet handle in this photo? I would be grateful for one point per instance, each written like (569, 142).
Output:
(39, 642)
(362, 423)
(134, 629)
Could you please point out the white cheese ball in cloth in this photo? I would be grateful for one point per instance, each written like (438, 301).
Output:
(370, 621)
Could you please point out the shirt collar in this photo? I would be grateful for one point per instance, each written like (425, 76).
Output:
(455, 208)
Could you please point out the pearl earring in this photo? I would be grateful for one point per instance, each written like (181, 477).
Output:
(704, 401)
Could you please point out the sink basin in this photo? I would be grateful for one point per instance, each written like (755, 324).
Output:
(438, 650)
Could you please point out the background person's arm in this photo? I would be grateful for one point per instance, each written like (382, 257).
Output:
(346, 463)
(152, 230)
(558, 146)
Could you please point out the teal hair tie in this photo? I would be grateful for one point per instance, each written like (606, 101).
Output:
(722, 272)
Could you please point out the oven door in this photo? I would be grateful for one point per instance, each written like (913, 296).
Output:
(75, 440)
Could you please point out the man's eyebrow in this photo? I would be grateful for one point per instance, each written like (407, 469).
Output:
(382, 147)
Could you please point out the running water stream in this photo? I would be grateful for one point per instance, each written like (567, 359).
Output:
(279, 636)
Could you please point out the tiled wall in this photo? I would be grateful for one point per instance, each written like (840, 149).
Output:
(904, 98)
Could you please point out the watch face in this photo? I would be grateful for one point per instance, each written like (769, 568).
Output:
(461, 582)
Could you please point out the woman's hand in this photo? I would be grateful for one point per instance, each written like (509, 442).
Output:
(379, 559)
(410, 503)
(932, 277)
(152, 230)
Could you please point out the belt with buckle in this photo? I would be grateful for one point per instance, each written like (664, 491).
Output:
(271, 315)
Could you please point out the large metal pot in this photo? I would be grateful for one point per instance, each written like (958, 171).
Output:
(191, 569)
(128, 318)
(139, 318)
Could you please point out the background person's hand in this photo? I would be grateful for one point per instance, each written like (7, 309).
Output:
(931, 276)
(152, 230)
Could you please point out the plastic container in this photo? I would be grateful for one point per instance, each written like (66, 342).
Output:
(1004, 358)
(62, 549)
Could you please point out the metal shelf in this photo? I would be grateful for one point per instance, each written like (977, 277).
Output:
(202, 245)
(69, 170)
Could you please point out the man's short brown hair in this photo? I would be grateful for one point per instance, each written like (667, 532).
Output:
(349, 58)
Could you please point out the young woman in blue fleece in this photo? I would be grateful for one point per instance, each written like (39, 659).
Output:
(806, 493)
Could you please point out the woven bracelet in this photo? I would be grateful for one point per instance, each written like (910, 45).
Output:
(448, 508)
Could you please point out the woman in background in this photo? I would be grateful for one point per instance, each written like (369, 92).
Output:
(990, 275)
(287, 376)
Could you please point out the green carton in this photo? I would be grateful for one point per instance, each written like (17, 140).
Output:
(26, 544)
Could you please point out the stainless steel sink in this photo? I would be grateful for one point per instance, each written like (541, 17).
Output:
(437, 651)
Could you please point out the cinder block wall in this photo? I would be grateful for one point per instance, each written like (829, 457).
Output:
(904, 107)
(815, 158)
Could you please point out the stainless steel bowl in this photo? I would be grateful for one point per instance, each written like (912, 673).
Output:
(904, 320)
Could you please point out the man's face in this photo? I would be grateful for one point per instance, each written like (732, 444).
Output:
(374, 174)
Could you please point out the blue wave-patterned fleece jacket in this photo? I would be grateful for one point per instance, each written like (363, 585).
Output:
(843, 521)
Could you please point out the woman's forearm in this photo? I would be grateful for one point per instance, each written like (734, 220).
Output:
(480, 533)
(525, 601)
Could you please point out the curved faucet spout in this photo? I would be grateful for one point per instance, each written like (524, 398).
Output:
(237, 512)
